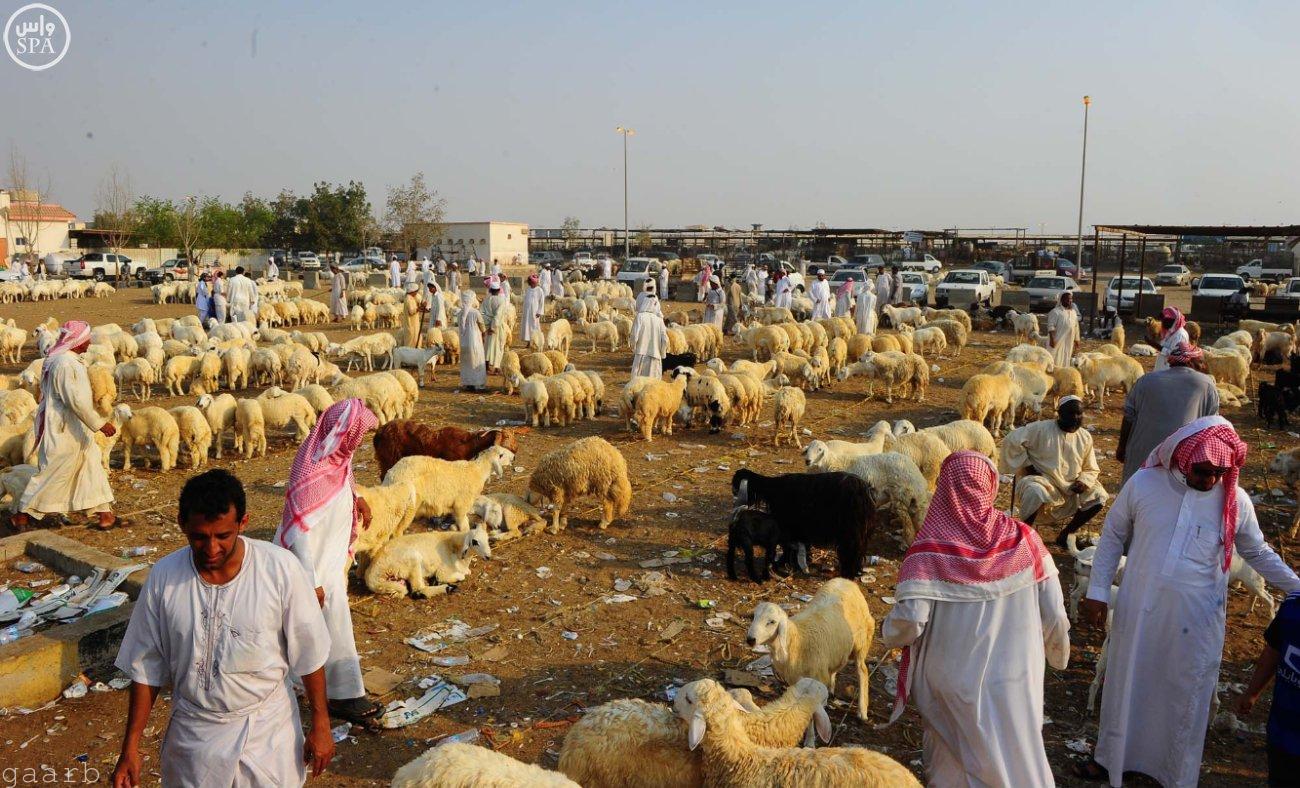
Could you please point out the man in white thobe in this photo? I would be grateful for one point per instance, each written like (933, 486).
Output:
(1063, 331)
(715, 303)
(411, 269)
(436, 306)
(534, 306)
(453, 279)
(426, 271)
(884, 290)
(339, 293)
(473, 364)
(557, 284)
(544, 279)
(783, 293)
(649, 339)
(1179, 529)
(471, 266)
(321, 516)
(70, 475)
(220, 304)
(394, 271)
(979, 612)
(897, 293)
(225, 622)
(663, 282)
(844, 299)
(440, 266)
(754, 282)
(864, 311)
(606, 268)
(496, 325)
(272, 270)
(820, 293)
(242, 294)
(1059, 468)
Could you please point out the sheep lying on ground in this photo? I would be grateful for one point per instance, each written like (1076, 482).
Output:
(590, 466)
(470, 766)
(731, 759)
(449, 488)
(146, 426)
(413, 559)
(629, 743)
(504, 513)
(817, 642)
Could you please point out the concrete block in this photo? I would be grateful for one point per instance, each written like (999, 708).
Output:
(74, 558)
(36, 669)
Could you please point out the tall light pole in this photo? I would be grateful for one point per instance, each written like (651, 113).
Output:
(1083, 172)
(626, 243)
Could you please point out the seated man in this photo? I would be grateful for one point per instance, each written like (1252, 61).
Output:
(1060, 468)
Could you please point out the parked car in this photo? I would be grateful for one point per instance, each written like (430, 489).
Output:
(1173, 275)
(916, 287)
(308, 261)
(1121, 294)
(169, 271)
(104, 265)
(972, 284)
(546, 257)
(858, 275)
(364, 265)
(1045, 291)
(995, 268)
(1219, 285)
(929, 264)
(636, 270)
(871, 262)
(1289, 289)
(1270, 271)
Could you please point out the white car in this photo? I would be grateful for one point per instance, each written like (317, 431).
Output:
(1121, 294)
(1289, 289)
(1045, 290)
(916, 287)
(1173, 275)
(1258, 269)
(308, 261)
(636, 270)
(929, 263)
(967, 285)
(1219, 285)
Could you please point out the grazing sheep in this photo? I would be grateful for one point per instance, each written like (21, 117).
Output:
(600, 332)
(732, 759)
(559, 336)
(219, 410)
(954, 332)
(412, 559)
(657, 403)
(899, 493)
(146, 426)
(892, 368)
(835, 627)
(470, 766)
(250, 429)
(1100, 372)
(1032, 355)
(1026, 326)
(449, 488)
(925, 449)
(317, 396)
(590, 466)
(1066, 381)
(281, 409)
(136, 375)
(195, 433)
(787, 411)
(987, 399)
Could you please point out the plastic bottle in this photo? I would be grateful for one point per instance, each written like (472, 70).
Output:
(13, 598)
(136, 552)
(464, 737)
(11, 633)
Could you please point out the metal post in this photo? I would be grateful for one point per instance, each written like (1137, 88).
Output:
(1083, 172)
(1142, 272)
(1123, 254)
(1096, 274)
(626, 132)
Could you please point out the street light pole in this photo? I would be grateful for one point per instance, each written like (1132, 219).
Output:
(1083, 172)
(626, 132)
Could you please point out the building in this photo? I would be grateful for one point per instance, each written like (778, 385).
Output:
(48, 225)
(498, 242)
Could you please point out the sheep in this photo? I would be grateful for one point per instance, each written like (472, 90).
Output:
(765, 341)
(559, 335)
(504, 513)
(206, 373)
(986, 399)
(1142, 350)
(1031, 384)
(392, 509)
(899, 492)
(1101, 372)
(412, 559)
(1026, 326)
(381, 392)
(421, 359)
(1066, 381)
(703, 394)
(1032, 355)
(1276, 347)
(137, 375)
(657, 403)
(449, 487)
(535, 364)
(317, 396)
(250, 429)
(601, 331)
(16, 406)
(826, 509)
(536, 400)
(11, 343)
(895, 316)
(925, 449)
(965, 435)
(836, 626)
(733, 760)
(470, 766)
(559, 360)
(589, 466)
(148, 425)
(280, 409)
(1236, 338)
(598, 391)
(893, 368)
(403, 438)
(195, 433)
(787, 411)
(364, 348)
(961, 316)
(13, 482)
(749, 528)
(561, 405)
(630, 743)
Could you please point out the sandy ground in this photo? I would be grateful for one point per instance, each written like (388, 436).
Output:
(540, 588)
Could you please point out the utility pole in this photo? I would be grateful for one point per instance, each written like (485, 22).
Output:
(626, 132)
(1083, 172)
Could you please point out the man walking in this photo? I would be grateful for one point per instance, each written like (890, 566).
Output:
(70, 475)
(339, 293)
(322, 516)
(225, 622)
(864, 310)
(649, 338)
(1063, 330)
(884, 289)
(820, 293)
(1060, 468)
(1161, 402)
(1179, 520)
(394, 271)
(534, 307)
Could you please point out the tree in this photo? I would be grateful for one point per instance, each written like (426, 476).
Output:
(115, 211)
(155, 222)
(257, 218)
(570, 226)
(26, 187)
(415, 214)
(642, 239)
(333, 218)
(190, 230)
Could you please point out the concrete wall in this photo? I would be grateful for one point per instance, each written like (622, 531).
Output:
(490, 241)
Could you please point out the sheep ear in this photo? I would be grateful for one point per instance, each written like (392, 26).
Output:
(695, 733)
(779, 652)
(822, 722)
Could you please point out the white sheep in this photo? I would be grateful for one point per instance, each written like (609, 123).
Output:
(16, 406)
(1033, 355)
(1026, 326)
(381, 392)
(146, 426)
(195, 433)
(413, 559)
(965, 435)
(987, 399)
(504, 513)
(11, 343)
(899, 492)
(788, 406)
(392, 508)
(446, 487)
(137, 375)
(1100, 372)
(559, 336)
(469, 766)
(904, 315)
(219, 410)
(316, 396)
(250, 429)
(281, 409)
(657, 402)
(589, 466)
(421, 359)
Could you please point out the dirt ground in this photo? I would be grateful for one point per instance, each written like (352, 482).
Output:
(544, 590)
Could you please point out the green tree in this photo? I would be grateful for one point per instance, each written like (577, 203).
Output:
(415, 214)
(333, 218)
(570, 227)
(155, 222)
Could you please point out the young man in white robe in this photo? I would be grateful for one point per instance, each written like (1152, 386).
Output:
(242, 294)
(534, 306)
(272, 270)
(426, 271)
(715, 303)
(663, 282)
(339, 294)
(219, 302)
(557, 284)
(70, 475)
(1063, 331)
(453, 279)
(754, 282)
(544, 279)
(884, 290)
(394, 271)
(864, 311)
(820, 293)
(783, 293)
(1178, 520)
(1059, 468)
(436, 306)
(471, 266)
(322, 515)
(225, 623)
(979, 612)
(496, 310)
(414, 305)
(473, 364)
(649, 339)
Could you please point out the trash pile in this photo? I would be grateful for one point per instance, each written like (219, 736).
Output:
(23, 611)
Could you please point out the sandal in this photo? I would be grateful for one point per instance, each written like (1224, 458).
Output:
(358, 711)
(1091, 771)
(100, 525)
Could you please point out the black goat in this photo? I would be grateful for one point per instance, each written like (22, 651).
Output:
(1271, 404)
(675, 360)
(750, 528)
(815, 509)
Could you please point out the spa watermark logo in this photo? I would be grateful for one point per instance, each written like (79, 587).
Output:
(37, 36)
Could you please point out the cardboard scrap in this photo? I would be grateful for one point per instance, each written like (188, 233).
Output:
(740, 678)
(380, 682)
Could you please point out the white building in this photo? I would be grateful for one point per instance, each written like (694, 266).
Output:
(500, 242)
(48, 223)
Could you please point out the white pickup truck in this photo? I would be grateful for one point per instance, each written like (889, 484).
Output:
(1270, 271)
(964, 287)
(104, 265)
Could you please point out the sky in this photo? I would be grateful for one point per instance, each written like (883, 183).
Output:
(920, 115)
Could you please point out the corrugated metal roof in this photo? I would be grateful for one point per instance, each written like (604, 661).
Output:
(1236, 231)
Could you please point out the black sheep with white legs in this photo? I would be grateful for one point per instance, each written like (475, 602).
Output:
(816, 509)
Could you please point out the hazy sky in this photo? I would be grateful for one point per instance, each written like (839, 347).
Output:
(901, 115)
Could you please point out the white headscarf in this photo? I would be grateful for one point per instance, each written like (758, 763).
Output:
(466, 306)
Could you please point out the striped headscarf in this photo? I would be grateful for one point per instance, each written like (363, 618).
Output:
(71, 335)
(1186, 355)
(323, 467)
(1175, 314)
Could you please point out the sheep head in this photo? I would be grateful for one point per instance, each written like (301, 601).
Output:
(769, 625)
(121, 413)
(816, 692)
(815, 453)
(690, 703)
(476, 540)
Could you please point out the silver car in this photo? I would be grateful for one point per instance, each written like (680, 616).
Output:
(1173, 275)
(1045, 291)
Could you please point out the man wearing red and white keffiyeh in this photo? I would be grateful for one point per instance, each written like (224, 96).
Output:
(1179, 520)
(979, 611)
(321, 519)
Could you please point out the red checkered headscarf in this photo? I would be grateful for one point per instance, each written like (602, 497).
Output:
(71, 335)
(1175, 314)
(966, 550)
(323, 467)
(1185, 355)
(1210, 439)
